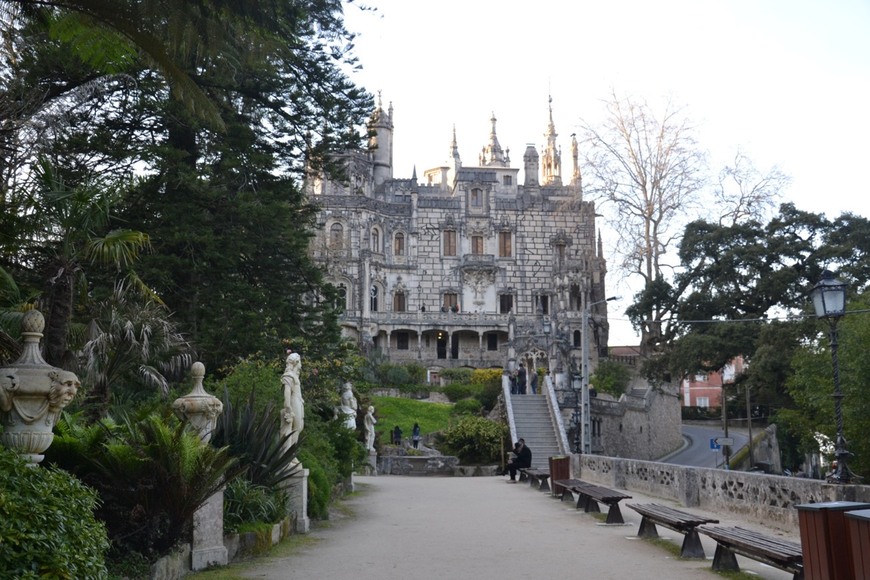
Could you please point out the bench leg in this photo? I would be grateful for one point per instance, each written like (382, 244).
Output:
(545, 484)
(523, 476)
(614, 515)
(647, 528)
(692, 547)
(591, 506)
(566, 494)
(582, 500)
(724, 559)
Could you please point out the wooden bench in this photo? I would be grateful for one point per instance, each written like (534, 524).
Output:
(776, 552)
(538, 478)
(677, 520)
(588, 496)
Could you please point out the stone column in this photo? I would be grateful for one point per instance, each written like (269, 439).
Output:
(200, 410)
(32, 395)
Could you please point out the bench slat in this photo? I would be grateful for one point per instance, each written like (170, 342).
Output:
(779, 553)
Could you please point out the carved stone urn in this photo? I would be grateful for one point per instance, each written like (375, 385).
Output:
(32, 395)
(199, 409)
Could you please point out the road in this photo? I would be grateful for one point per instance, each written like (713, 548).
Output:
(697, 451)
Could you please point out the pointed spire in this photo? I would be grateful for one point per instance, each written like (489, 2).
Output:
(552, 157)
(454, 148)
(492, 154)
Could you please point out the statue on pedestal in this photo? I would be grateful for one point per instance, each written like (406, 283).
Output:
(348, 406)
(370, 422)
(293, 412)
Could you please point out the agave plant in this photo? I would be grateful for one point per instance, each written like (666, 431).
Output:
(255, 439)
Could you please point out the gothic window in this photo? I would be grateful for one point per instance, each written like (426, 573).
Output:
(399, 303)
(399, 244)
(542, 304)
(336, 236)
(508, 180)
(402, 341)
(577, 339)
(476, 198)
(477, 245)
(376, 241)
(341, 301)
(373, 295)
(492, 341)
(504, 244)
(505, 303)
(449, 243)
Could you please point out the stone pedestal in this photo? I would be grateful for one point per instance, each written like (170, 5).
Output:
(373, 462)
(297, 490)
(208, 535)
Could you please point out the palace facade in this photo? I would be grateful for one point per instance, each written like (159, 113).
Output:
(466, 267)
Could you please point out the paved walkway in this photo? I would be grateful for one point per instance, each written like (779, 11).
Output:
(479, 528)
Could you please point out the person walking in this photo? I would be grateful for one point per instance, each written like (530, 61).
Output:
(415, 435)
(533, 381)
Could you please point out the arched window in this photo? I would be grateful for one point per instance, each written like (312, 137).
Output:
(374, 298)
(399, 244)
(376, 240)
(341, 301)
(336, 236)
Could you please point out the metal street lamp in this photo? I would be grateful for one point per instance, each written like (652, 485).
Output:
(584, 386)
(829, 301)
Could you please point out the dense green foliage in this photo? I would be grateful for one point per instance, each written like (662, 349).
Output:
(47, 524)
(611, 377)
(475, 440)
(470, 406)
(152, 473)
(247, 503)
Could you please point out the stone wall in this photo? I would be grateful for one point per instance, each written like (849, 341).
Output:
(757, 497)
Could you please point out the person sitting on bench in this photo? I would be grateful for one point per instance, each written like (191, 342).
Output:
(522, 460)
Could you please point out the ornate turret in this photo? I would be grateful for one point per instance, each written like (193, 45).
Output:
(381, 142)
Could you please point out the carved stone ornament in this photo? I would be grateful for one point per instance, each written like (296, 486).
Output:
(32, 395)
(199, 409)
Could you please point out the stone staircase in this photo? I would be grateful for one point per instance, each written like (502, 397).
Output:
(534, 424)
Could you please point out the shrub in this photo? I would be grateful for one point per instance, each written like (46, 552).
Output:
(460, 375)
(475, 440)
(47, 524)
(458, 391)
(611, 377)
(247, 503)
(470, 406)
(152, 474)
(489, 381)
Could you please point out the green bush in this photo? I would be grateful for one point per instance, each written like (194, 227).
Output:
(475, 440)
(47, 524)
(470, 406)
(611, 377)
(246, 503)
(251, 378)
(458, 391)
(460, 375)
(151, 474)
(489, 382)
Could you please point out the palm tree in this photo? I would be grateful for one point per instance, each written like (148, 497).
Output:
(67, 229)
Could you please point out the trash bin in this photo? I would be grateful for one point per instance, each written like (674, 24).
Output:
(858, 527)
(824, 541)
(560, 468)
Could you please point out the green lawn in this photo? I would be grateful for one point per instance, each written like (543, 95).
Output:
(392, 411)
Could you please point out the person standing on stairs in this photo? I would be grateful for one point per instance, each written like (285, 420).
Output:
(521, 380)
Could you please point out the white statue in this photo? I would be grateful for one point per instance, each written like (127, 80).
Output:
(293, 413)
(348, 406)
(370, 429)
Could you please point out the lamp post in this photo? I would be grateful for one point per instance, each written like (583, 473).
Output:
(829, 301)
(584, 385)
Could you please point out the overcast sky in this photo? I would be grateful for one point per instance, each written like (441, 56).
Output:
(787, 81)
